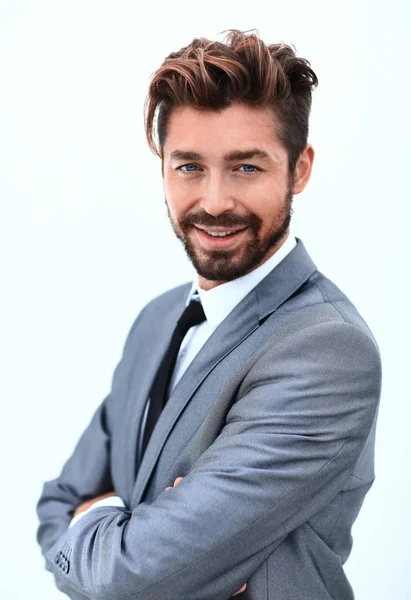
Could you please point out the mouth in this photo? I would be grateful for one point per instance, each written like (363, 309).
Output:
(219, 237)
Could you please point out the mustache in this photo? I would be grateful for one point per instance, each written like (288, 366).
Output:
(226, 219)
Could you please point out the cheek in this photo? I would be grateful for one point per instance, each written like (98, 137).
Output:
(269, 209)
(262, 193)
(175, 206)
(178, 198)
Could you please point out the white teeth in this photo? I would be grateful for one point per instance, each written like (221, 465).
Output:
(220, 233)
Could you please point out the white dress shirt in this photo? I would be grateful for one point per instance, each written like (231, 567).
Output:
(217, 304)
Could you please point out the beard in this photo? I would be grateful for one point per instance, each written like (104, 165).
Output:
(226, 265)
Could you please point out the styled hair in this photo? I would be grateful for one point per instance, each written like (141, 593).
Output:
(210, 75)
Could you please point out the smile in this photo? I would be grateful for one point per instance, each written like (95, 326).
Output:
(222, 234)
(219, 237)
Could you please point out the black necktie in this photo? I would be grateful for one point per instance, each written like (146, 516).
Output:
(192, 315)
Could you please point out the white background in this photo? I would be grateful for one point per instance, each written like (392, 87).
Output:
(85, 241)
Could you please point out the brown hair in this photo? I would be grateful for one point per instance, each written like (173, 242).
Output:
(211, 75)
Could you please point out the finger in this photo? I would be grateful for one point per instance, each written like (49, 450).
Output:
(178, 480)
(242, 589)
(168, 488)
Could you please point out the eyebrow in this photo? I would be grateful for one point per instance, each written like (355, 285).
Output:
(235, 155)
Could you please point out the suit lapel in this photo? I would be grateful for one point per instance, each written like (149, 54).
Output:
(232, 331)
(264, 299)
(146, 365)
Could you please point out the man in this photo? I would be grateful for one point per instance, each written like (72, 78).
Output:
(254, 389)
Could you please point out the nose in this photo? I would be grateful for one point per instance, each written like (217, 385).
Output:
(215, 198)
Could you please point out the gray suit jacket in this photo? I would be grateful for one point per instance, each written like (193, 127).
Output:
(272, 427)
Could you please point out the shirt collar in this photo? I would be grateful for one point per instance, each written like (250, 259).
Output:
(221, 300)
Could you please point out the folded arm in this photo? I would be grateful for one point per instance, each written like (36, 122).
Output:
(288, 446)
(86, 474)
(77, 482)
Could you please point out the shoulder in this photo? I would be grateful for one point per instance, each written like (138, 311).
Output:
(347, 311)
(320, 301)
(319, 328)
(320, 331)
(169, 298)
(321, 356)
(159, 305)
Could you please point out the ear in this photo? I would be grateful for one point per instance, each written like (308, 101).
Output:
(303, 169)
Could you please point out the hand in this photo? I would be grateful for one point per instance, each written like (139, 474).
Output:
(170, 487)
(85, 505)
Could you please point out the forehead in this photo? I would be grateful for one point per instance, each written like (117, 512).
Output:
(218, 133)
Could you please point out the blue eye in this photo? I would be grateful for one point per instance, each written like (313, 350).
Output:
(189, 170)
(250, 166)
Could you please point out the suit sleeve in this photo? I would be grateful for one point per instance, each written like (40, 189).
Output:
(85, 475)
(289, 443)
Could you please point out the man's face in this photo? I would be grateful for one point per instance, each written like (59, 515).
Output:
(227, 189)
